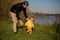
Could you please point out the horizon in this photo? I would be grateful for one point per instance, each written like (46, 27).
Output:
(45, 6)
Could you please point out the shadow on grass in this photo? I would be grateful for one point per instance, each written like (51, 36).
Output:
(58, 31)
(21, 27)
(57, 28)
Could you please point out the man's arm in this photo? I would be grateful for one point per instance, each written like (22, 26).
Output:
(25, 14)
(17, 15)
(19, 19)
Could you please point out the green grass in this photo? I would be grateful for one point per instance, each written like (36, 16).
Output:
(42, 32)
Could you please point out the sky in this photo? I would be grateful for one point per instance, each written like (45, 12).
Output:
(44, 6)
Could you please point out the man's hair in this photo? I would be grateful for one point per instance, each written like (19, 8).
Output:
(25, 2)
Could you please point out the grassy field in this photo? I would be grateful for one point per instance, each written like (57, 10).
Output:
(40, 32)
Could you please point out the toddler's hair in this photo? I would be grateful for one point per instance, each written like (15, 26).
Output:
(31, 18)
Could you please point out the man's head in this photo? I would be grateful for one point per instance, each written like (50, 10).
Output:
(25, 4)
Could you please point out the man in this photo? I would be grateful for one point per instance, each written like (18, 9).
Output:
(14, 12)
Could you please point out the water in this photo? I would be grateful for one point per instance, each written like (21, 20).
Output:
(44, 19)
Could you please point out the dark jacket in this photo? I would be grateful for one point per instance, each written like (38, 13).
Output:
(18, 8)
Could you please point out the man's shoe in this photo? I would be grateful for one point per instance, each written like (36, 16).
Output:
(15, 32)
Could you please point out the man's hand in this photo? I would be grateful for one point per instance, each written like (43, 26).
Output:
(20, 21)
(27, 18)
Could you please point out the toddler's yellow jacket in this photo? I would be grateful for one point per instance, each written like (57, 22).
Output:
(29, 24)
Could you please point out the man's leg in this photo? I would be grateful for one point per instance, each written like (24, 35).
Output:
(14, 26)
(14, 19)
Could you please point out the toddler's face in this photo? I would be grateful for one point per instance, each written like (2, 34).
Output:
(32, 19)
